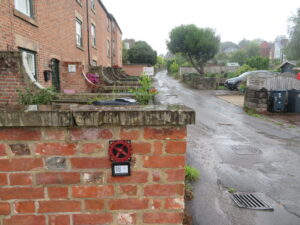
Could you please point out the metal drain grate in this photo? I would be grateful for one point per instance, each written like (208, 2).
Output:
(250, 201)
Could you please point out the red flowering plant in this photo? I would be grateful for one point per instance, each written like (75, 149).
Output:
(94, 78)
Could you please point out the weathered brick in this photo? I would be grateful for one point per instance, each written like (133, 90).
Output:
(157, 203)
(23, 164)
(175, 175)
(80, 134)
(128, 204)
(58, 178)
(4, 208)
(2, 150)
(155, 176)
(20, 149)
(135, 177)
(21, 193)
(90, 163)
(59, 220)
(24, 207)
(25, 219)
(163, 217)
(92, 219)
(163, 189)
(56, 163)
(54, 134)
(58, 192)
(168, 161)
(174, 203)
(19, 134)
(164, 133)
(130, 134)
(20, 179)
(126, 218)
(93, 178)
(92, 148)
(129, 190)
(59, 206)
(55, 149)
(176, 147)
(141, 148)
(92, 191)
(94, 204)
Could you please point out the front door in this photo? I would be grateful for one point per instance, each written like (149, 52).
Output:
(55, 74)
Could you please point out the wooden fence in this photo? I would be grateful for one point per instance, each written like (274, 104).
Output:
(283, 81)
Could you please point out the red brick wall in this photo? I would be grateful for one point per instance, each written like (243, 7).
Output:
(134, 69)
(11, 78)
(52, 33)
(62, 176)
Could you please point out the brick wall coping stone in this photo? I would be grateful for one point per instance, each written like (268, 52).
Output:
(75, 115)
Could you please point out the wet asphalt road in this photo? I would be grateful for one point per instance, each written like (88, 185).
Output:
(234, 150)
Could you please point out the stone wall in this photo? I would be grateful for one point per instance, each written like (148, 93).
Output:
(202, 83)
(256, 100)
(55, 169)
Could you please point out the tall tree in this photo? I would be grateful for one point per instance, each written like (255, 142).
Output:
(197, 45)
(293, 47)
(141, 52)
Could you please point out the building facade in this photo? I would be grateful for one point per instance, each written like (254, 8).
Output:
(60, 39)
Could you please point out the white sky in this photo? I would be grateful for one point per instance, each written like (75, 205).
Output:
(233, 20)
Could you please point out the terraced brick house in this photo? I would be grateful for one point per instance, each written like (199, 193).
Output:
(60, 39)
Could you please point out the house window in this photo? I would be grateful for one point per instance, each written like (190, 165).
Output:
(94, 63)
(93, 35)
(108, 48)
(29, 61)
(93, 4)
(78, 33)
(25, 7)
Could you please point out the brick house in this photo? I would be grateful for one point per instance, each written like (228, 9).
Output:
(60, 39)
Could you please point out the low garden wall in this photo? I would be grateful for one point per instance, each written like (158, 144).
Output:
(256, 100)
(201, 83)
(55, 168)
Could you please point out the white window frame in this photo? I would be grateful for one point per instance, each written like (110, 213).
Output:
(28, 10)
(30, 66)
(78, 33)
(93, 4)
(93, 35)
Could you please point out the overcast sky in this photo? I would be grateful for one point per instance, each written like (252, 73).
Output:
(233, 20)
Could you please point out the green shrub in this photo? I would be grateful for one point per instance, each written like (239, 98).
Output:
(244, 68)
(191, 174)
(146, 92)
(40, 97)
(174, 68)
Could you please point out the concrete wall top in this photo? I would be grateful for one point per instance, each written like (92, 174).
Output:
(75, 115)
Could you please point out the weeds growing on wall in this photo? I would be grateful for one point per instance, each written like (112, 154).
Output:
(146, 92)
(40, 97)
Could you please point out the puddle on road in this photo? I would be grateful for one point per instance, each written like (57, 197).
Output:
(245, 150)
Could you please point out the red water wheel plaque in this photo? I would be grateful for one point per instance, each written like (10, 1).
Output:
(120, 151)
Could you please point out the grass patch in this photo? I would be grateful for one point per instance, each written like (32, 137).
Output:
(251, 112)
(231, 190)
(191, 174)
(221, 87)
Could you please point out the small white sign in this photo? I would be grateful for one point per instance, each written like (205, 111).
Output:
(121, 169)
(149, 71)
(72, 68)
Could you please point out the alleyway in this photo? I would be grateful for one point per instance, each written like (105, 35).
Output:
(234, 150)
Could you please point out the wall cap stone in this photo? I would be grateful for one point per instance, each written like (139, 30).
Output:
(75, 115)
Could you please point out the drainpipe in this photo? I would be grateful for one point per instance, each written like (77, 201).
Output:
(88, 31)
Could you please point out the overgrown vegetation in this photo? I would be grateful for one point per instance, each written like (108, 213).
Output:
(146, 92)
(40, 97)
(191, 174)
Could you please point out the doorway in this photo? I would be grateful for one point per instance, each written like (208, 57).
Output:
(55, 74)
